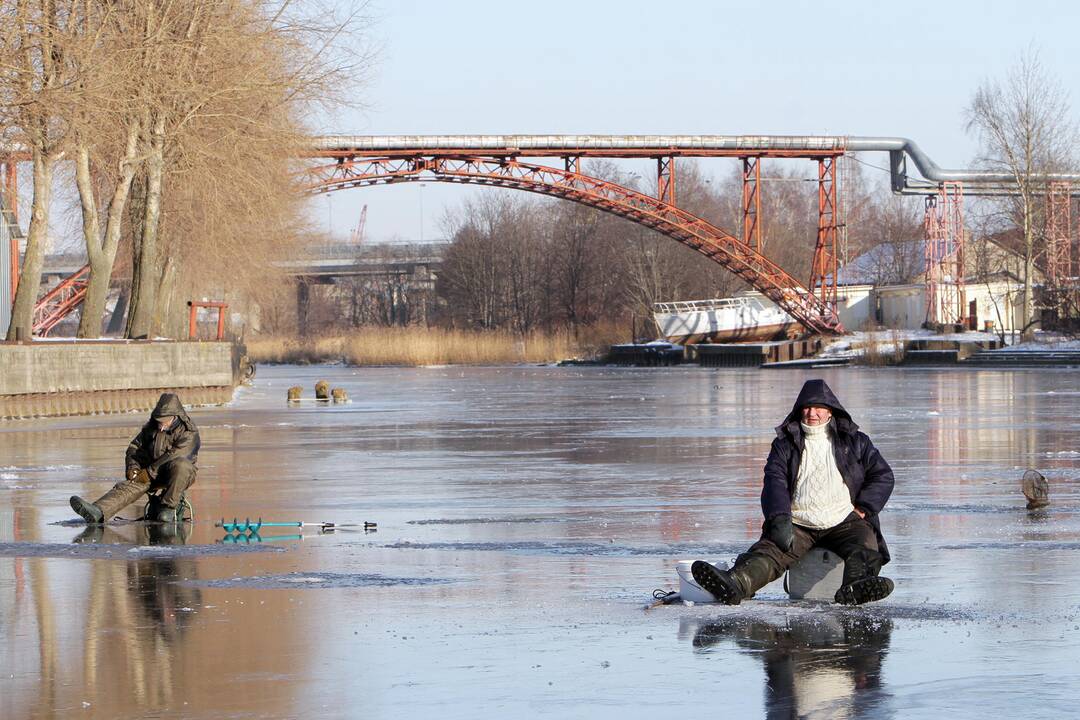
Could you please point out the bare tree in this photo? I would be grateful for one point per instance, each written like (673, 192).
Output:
(472, 268)
(1025, 128)
(36, 88)
(105, 139)
(893, 235)
(219, 132)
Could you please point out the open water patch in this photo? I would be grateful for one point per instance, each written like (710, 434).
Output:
(782, 611)
(117, 551)
(318, 580)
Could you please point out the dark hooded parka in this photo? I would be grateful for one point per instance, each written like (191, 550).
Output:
(152, 447)
(868, 477)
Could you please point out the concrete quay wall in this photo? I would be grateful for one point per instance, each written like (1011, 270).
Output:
(80, 377)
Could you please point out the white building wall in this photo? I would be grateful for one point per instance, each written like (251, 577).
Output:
(901, 306)
(904, 306)
(855, 306)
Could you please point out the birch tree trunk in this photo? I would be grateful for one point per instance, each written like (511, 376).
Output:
(147, 265)
(37, 238)
(101, 248)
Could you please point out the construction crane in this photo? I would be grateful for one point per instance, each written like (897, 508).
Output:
(357, 236)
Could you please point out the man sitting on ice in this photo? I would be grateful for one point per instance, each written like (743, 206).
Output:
(825, 484)
(161, 457)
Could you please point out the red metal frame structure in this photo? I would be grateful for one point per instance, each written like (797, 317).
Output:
(823, 274)
(665, 179)
(815, 310)
(946, 299)
(61, 300)
(193, 317)
(751, 202)
(1058, 233)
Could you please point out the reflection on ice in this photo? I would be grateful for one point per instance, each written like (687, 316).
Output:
(320, 580)
(574, 548)
(88, 545)
(140, 534)
(816, 665)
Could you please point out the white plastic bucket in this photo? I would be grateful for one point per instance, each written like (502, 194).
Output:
(689, 590)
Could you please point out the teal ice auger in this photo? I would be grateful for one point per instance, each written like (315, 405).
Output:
(247, 526)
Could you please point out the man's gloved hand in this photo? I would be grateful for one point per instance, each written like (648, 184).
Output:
(779, 529)
(138, 474)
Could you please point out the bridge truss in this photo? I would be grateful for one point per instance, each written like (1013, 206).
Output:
(812, 304)
(55, 305)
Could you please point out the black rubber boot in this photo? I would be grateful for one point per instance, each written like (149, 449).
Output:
(861, 581)
(863, 591)
(723, 586)
(740, 583)
(165, 514)
(90, 512)
(754, 572)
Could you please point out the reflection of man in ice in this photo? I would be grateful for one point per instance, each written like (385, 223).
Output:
(138, 619)
(821, 666)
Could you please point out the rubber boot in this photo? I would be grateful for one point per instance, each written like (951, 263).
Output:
(731, 587)
(720, 583)
(90, 512)
(119, 497)
(165, 514)
(861, 583)
(154, 507)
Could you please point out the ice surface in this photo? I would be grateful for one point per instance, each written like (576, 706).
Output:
(524, 517)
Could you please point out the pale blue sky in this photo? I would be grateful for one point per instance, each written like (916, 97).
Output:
(842, 67)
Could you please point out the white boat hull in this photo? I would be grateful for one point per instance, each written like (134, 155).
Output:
(724, 321)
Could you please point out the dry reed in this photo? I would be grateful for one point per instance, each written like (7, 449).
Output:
(880, 349)
(417, 346)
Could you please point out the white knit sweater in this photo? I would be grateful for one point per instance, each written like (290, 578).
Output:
(821, 499)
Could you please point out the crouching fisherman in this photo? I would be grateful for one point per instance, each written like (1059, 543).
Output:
(825, 484)
(161, 458)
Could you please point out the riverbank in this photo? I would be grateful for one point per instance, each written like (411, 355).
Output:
(69, 377)
(419, 346)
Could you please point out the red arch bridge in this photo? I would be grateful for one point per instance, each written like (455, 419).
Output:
(507, 161)
(512, 161)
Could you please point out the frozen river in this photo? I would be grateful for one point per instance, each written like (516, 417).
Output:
(525, 516)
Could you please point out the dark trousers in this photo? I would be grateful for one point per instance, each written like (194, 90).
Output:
(173, 478)
(853, 540)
